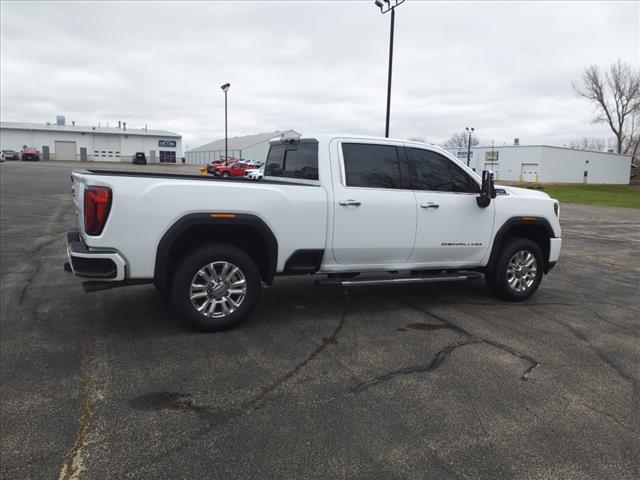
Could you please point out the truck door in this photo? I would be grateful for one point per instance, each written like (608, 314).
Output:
(451, 229)
(374, 210)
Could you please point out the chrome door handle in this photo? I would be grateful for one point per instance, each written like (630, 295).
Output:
(349, 203)
(430, 205)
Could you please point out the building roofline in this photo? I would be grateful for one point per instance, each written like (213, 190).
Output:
(495, 147)
(87, 129)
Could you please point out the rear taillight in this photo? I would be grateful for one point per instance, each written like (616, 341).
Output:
(97, 203)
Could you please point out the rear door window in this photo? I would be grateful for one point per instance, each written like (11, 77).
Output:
(371, 166)
(299, 160)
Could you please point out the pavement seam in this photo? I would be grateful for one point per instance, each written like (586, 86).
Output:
(73, 462)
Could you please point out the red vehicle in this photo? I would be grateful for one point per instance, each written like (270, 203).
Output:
(236, 169)
(212, 166)
(29, 153)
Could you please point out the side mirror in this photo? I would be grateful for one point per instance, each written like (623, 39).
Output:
(487, 191)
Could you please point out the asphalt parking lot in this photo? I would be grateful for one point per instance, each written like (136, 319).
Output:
(374, 382)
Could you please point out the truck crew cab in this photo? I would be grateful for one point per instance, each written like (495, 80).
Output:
(360, 210)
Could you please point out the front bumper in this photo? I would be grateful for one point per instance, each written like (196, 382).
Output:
(104, 265)
(555, 244)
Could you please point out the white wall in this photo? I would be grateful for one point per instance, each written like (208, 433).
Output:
(555, 164)
(256, 152)
(510, 159)
(563, 165)
(14, 139)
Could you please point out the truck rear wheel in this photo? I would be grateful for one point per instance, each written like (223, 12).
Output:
(215, 287)
(518, 270)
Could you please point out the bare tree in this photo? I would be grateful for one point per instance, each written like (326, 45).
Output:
(586, 143)
(460, 140)
(616, 95)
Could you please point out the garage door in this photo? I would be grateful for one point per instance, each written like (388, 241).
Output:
(106, 148)
(529, 172)
(65, 151)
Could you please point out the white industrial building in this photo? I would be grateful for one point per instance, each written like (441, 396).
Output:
(548, 164)
(247, 147)
(87, 143)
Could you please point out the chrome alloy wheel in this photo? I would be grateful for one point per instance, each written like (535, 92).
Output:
(218, 289)
(521, 271)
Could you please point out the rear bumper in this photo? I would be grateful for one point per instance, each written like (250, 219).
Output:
(104, 265)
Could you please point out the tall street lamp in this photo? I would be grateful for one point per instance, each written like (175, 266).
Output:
(470, 131)
(225, 89)
(386, 6)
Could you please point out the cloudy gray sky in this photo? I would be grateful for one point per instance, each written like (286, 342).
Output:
(504, 67)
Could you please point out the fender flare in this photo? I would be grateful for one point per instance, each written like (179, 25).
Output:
(507, 226)
(191, 220)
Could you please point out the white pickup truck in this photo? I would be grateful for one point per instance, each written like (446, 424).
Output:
(360, 210)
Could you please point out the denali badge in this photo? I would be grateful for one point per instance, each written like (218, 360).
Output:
(461, 244)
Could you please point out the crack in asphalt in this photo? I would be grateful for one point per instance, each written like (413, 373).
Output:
(217, 418)
(437, 361)
(635, 385)
(51, 239)
(523, 356)
(583, 337)
(581, 304)
(604, 413)
(443, 354)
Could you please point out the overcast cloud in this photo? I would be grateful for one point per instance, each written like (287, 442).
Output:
(503, 67)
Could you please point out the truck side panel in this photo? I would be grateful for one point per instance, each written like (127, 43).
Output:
(143, 209)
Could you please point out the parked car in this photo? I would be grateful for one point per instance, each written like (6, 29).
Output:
(370, 211)
(233, 170)
(10, 155)
(212, 166)
(30, 154)
(139, 159)
(254, 173)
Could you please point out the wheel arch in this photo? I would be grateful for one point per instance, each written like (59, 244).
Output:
(537, 229)
(245, 231)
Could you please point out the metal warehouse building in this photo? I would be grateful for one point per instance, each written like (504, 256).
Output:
(79, 143)
(547, 164)
(248, 147)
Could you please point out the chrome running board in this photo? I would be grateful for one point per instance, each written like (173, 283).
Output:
(370, 281)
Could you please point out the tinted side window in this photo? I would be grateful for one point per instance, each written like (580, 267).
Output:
(372, 166)
(293, 161)
(432, 171)
(463, 182)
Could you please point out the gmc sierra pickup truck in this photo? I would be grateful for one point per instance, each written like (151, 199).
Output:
(360, 210)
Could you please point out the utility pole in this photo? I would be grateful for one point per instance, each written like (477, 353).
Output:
(225, 89)
(470, 131)
(386, 6)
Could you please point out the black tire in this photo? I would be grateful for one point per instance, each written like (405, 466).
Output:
(498, 280)
(225, 175)
(195, 262)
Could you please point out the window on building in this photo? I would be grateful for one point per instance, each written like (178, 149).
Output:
(299, 160)
(371, 166)
(167, 156)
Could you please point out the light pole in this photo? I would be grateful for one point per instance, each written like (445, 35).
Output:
(470, 131)
(386, 6)
(225, 89)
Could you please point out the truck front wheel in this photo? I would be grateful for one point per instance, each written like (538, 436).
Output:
(215, 287)
(518, 270)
